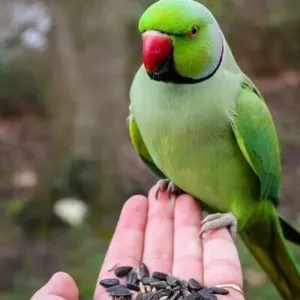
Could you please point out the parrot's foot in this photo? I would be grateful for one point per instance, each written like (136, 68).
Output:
(169, 186)
(218, 220)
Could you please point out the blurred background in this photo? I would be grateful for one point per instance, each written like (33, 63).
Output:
(66, 163)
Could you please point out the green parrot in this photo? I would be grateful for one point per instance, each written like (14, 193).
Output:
(200, 124)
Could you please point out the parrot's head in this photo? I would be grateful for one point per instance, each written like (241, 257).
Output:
(182, 41)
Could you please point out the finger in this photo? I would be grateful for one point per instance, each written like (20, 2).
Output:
(158, 250)
(187, 244)
(61, 286)
(126, 247)
(51, 297)
(221, 261)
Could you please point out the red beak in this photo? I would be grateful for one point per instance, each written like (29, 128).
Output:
(157, 47)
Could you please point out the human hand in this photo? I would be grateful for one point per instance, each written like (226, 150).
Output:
(164, 234)
(60, 287)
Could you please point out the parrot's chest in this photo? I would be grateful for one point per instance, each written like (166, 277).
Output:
(197, 159)
(189, 137)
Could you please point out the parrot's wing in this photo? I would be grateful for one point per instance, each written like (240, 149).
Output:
(257, 138)
(140, 147)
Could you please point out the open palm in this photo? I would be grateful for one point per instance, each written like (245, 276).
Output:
(164, 235)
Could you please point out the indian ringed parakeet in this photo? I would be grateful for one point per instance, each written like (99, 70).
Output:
(201, 125)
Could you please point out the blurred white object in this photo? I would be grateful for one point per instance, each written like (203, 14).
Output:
(35, 14)
(71, 210)
(25, 179)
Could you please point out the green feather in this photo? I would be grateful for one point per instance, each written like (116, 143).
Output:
(271, 251)
(174, 16)
(141, 148)
(257, 139)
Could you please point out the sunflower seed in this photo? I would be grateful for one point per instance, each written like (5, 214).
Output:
(205, 291)
(159, 275)
(131, 277)
(194, 285)
(210, 297)
(143, 271)
(121, 291)
(194, 296)
(175, 295)
(148, 280)
(171, 280)
(108, 282)
(184, 284)
(157, 295)
(218, 290)
(133, 287)
(148, 296)
(159, 285)
(176, 288)
(122, 271)
(113, 288)
(185, 293)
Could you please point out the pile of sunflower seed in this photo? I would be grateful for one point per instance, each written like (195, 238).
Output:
(140, 285)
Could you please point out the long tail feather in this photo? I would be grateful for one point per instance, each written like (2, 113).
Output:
(267, 245)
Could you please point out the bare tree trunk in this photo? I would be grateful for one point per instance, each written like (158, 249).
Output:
(89, 104)
(62, 69)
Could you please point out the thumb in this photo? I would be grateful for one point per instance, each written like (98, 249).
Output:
(61, 286)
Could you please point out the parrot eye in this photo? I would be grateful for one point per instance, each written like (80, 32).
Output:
(194, 32)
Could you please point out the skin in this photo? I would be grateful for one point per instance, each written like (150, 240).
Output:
(213, 260)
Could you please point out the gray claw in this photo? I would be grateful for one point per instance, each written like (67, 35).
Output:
(166, 184)
(218, 220)
(162, 185)
(173, 188)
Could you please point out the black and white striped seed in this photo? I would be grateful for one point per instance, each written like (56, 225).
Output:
(171, 280)
(195, 296)
(143, 271)
(159, 285)
(148, 280)
(132, 277)
(194, 285)
(133, 287)
(120, 291)
(113, 288)
(159, 275)
(205, 291)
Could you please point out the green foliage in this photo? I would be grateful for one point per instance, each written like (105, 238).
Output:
(76, 179)
(83, 262)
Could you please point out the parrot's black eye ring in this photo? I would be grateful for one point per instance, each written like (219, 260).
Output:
(193, 32)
